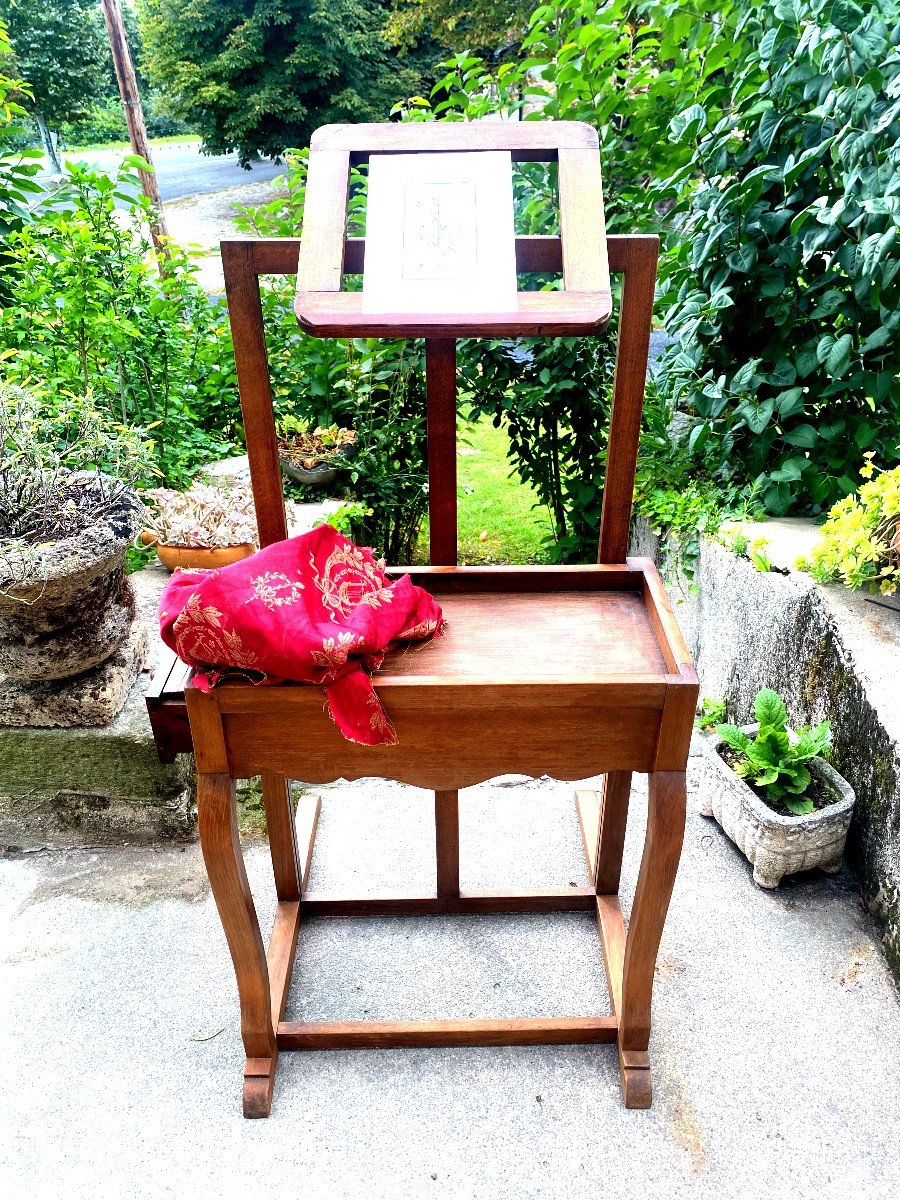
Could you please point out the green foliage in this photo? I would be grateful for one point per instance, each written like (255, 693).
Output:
(61, 49)
(257, 76)
(106, 122)
(551, 397)
(493, 25)
(628, 67)
(782, 283)
(773, 759)
(712, 712)
(91, 315)
(860, 541)
(18, 167)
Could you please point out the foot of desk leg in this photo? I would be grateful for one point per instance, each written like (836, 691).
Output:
(634, 1068)
(259, 1083)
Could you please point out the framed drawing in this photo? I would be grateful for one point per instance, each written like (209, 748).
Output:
(439, 234)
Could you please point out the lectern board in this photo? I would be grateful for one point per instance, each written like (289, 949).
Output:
(582, 305)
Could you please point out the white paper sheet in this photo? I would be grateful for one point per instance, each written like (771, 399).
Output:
(440, 234)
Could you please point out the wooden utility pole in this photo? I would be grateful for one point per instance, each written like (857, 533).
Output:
(134, 116)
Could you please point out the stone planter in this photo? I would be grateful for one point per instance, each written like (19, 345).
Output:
(776, 845)
(67, 607)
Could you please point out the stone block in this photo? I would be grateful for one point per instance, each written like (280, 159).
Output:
(92, 698)
(61, 786)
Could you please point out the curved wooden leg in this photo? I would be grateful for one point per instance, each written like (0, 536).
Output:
(228, 880)
(276, 794)
(662, 850)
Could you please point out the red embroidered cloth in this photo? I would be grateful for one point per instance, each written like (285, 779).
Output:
(313, 609)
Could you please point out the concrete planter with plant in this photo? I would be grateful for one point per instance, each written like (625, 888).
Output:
(775, 796)
(65, 603)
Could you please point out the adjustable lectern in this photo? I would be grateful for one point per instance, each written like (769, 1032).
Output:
(567, 671)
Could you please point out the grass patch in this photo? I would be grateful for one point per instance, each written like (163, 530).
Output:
(171, 139)
(497, 518)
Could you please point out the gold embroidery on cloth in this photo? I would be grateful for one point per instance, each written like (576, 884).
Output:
(379, 722)
(423, 629)
(349, 579)
(199, 637)
(334, 653)
(275, 589)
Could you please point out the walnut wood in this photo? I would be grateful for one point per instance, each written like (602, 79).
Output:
(307, 822)
(280, 955)
(276, 794)
(446, 837)
(659, 862)
(638, 285)
(536, 253)
(537, 314)
(444, 746)
(572, 899)
(440, 378)
(572, 671)
(278, 256)
(582, 578)
(245, 316)
(662, 617)
(582, 222)
(613, 819)
(231, 891)
(210, 751)
(674, 744)
(388, 137)
(611, 927)
(320, 265)
(523, 1031)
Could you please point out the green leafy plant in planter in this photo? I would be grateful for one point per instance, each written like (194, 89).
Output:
(860, 541)
(773, 760)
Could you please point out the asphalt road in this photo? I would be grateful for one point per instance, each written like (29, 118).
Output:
(183, 171)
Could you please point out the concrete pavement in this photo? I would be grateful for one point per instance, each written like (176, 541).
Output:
(776, 1047)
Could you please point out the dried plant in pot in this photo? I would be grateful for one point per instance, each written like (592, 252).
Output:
(774, 794)
(313, 456)
(206, 526)
(65, 604)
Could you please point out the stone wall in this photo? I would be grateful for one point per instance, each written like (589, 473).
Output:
(831, 654)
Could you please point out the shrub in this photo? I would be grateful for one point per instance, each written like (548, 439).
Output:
(91, 314)
(18, 165)
(781, 284)
(61, 467)
(860, 541)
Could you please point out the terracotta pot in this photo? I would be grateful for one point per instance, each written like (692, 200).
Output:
(199, 556)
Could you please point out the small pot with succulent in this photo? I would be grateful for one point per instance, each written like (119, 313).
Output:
(206, 526)
(68, 513)
(774, 795)
(313, 456)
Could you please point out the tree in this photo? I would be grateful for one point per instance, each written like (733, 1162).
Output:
(491, 27)
(60, 48)
(258, 76)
